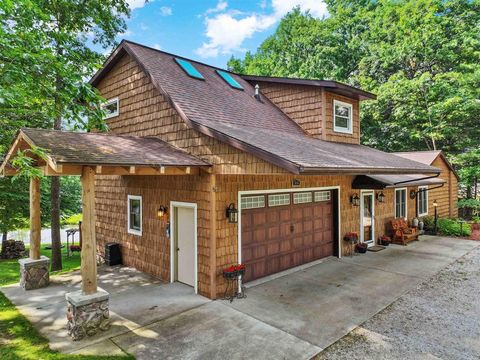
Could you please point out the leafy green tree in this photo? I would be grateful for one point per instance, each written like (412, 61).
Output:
(419, 56)
(45, 60)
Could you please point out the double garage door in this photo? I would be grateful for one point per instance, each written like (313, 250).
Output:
(280, 231)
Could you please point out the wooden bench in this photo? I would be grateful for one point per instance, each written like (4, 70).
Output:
(401, 233)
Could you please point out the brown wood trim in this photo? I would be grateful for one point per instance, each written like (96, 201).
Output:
(213, 237)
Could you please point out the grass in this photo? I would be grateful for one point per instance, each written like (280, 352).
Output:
(18, 338)
(9, 269)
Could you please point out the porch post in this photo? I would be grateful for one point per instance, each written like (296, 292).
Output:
(88, 308)
(34, 270)
(35, 222)
(89, 246)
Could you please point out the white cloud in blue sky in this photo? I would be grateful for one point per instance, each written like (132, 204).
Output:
(209, 29)
(228, 29)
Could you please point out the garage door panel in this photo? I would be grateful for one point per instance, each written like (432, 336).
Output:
(276, 238)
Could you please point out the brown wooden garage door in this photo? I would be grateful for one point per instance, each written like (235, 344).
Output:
(278, 236)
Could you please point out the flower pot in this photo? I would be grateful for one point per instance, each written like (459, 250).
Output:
(361, 248)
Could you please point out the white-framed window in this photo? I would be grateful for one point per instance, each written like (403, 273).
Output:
(342, 117)
(401, 203)
(134, 214)
(111, 108)
(278, 199)
(253, 202)
(422, 200)
(302, 198)
(322, 196)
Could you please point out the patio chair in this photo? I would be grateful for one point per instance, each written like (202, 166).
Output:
(401, 233)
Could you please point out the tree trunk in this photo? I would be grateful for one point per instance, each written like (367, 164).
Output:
(56, 260)
(4, 238)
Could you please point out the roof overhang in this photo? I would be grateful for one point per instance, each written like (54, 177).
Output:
(385, 181)
(330, 85)
(67, 157)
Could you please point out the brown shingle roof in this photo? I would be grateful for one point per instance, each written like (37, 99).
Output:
(424, 157)
(212, 107)
(106, 149)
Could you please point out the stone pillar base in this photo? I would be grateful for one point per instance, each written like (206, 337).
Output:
(34, 273)
(87, 314)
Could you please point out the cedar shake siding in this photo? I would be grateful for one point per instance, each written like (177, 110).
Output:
(447, 195)
(305, 105)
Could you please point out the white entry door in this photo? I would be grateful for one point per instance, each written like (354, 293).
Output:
(185, 244)
(367, 217)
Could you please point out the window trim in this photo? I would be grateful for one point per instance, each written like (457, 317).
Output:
(282, 193)
(349, 129)
(129, 229)
(302, 193)
(252, 196)
(109, 102)
(395, 203)
(426, 200)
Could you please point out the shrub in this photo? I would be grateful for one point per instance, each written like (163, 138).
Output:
(452, 227)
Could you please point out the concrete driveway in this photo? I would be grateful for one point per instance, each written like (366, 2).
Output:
(291, 317)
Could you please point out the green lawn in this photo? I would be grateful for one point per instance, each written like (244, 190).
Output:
(9, 269)
(18, 338)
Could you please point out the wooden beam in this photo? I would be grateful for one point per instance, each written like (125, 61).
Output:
(98, 169)
(64, 170)
(187, 170)
(89, 246)
(162, 170)
(35, 222)
(132, 170)
(213, 237)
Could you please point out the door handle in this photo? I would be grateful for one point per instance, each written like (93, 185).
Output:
(178, 249)
(292, 228)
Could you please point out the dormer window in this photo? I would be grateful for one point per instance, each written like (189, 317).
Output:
(111, 108)
(342, 117)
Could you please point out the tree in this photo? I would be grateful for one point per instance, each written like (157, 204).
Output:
(45, 61)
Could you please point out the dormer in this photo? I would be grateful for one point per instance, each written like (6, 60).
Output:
(326, 110)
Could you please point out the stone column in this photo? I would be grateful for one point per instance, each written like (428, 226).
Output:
(87, 314)
(34, 273)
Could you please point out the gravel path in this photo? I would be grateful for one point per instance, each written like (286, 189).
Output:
(440, 319)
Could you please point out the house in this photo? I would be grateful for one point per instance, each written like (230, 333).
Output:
(446, 196)
(203, 168)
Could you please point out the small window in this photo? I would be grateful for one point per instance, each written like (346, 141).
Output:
(302, 198)
(253, 202)
(422, 200)
(111, 108)
(401, 203)
(278, 199)
(189, 69)
(229, 79)
(134, 214)
(342, 117)
(322, 196)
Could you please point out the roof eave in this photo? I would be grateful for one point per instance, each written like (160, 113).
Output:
(331, 84)
(366, 171)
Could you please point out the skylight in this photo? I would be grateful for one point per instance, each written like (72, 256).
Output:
(229, 79)
(189, 68)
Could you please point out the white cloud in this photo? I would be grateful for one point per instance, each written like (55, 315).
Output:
(228, 29)
(156, 46)
(221, 6)
(136, 4)
(165, 11)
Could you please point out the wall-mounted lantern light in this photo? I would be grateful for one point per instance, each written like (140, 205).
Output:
(162, 211)
(355, 200)
(381, 197)
(232, 214)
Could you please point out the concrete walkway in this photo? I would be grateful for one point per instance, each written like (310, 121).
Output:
(291, 317)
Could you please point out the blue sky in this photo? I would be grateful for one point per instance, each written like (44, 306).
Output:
(210, 31)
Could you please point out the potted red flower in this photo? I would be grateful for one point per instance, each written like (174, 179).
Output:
(384, 240)
(361, 248)
(351, 237)
(234, 271)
